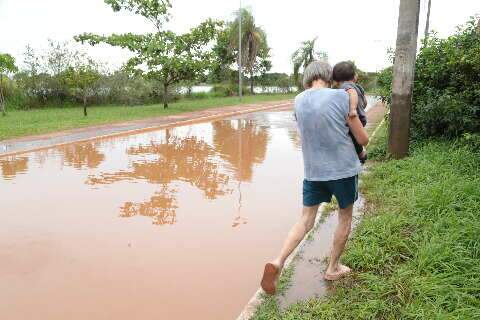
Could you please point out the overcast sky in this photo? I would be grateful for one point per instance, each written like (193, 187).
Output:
(347, 29)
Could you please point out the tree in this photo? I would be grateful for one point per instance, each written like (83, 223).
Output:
(304, 55)
(7, 65)
(224, 55)
(163, 55)
(255, 51)
(59, 57)
(82, 79)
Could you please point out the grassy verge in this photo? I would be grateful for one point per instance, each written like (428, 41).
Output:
(416, 253)
(21, 123)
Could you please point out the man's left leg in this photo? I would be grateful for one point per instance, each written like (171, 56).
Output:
(295, 236)
(346, 192)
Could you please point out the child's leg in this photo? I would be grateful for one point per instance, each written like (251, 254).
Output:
(358, 148)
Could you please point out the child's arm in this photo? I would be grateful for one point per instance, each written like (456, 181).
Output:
(365, 100)
(352, 94)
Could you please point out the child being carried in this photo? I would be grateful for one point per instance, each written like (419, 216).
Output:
(344, 74)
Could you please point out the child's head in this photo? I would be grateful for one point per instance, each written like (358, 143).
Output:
(344, 71)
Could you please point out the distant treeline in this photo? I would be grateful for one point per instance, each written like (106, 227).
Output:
(47, 80)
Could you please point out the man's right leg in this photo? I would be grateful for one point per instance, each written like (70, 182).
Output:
(295, 236)
(335, 269)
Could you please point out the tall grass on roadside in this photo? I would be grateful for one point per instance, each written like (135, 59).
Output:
(416, 253)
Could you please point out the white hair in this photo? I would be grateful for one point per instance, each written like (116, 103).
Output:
(317, 70)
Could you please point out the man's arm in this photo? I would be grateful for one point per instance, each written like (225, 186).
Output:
(358, 130)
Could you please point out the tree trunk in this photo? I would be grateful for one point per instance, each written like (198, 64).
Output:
(2, 99)
(165, 96)
(167, 135)
(251, 84)
(403, 76)
(85, 104)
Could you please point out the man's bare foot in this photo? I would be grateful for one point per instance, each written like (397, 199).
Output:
(270, 277)
(338, 273)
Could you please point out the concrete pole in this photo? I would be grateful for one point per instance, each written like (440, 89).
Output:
(403, 76)
(427, 24)
(240, 85)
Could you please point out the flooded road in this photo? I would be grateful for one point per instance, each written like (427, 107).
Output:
(167, 224)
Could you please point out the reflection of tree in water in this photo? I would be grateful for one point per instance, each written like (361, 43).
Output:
(179, 159)
(13, 165)
(295, 138)
(81, 155)
(161, 207)
(242, 143)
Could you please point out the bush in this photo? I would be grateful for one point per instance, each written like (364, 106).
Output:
(446, 96)
(384, 83)
(228, 90)
(14, 97)
(199, 95)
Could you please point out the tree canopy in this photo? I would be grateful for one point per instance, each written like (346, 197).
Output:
(162, 55)
(302, 57)
(155, 11)
(255, 52)
(81, 78)
(7, 65)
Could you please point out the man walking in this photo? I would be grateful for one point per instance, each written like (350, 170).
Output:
(331, 167)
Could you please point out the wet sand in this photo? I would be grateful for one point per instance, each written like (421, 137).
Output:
(167, 224)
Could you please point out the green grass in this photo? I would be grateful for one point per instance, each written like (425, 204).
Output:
(416, 253)
(21, 123)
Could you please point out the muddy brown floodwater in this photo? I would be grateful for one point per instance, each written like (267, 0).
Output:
(167, 224)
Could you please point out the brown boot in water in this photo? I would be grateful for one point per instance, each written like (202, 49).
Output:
(270, 277)
(338, 273)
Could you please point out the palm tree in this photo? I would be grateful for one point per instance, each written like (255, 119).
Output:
(255, 51)
(304, 55)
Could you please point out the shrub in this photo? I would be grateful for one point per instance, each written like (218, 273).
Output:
(228, 90)
(384, 83)
(446, 96)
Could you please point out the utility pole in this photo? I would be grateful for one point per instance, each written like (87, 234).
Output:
(427, 24)
(240, 86)
(403, 76)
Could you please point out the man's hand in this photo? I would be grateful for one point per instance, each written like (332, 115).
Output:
(358, 130)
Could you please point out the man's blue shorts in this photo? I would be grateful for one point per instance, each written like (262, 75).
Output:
(316, 192)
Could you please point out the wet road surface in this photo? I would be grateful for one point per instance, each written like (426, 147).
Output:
(168, 224)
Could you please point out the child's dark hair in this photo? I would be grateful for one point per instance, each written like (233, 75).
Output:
(344, 71)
